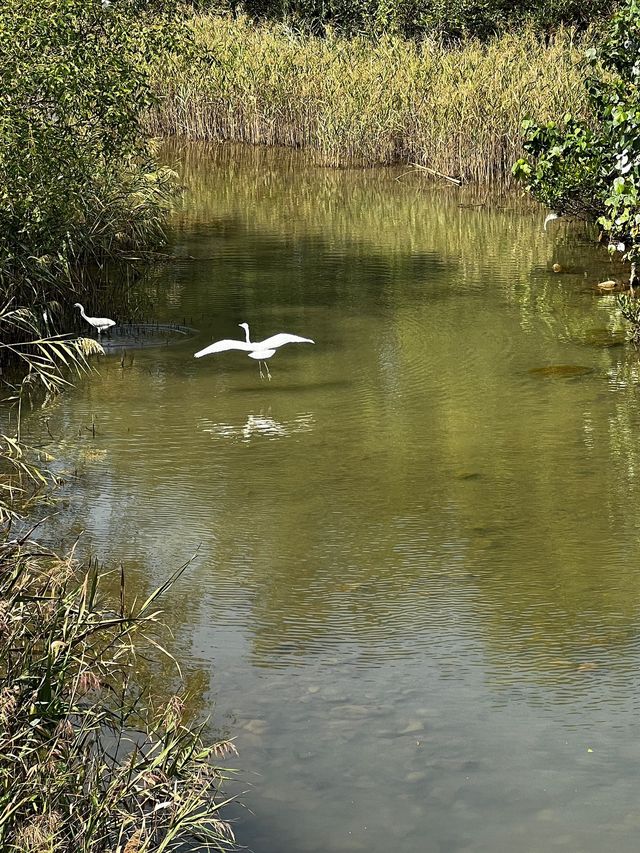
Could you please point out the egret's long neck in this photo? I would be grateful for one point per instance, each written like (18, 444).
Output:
(246, 331)
(82, 314)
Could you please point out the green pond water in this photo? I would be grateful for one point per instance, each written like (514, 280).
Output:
(415, 602)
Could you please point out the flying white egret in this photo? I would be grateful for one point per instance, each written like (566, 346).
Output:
(260, 350)
(100, 324)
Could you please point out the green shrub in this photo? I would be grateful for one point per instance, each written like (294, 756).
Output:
(591, 169)
(449, 19)
(75, 177)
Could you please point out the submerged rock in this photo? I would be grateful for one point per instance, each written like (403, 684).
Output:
(354, 710)
(415, 776)
(256, 727)
(412, 727)
(603, 338)
(560, 371)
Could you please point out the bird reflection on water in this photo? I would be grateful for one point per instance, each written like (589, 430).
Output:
(260, 425)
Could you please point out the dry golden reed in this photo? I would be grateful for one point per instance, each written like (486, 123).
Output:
(354, 101)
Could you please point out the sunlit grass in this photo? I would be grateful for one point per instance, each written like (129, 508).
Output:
(357, 101)
(85, 763)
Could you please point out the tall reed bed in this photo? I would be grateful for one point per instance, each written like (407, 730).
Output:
(357, 101)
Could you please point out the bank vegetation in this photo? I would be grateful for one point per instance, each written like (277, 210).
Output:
(78, 181)
(91, 761)
(591, 170)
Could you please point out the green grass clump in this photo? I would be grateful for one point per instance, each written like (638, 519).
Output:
(85, 765)
(356, 101)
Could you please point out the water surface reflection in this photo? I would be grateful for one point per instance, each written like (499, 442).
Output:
(260, 424)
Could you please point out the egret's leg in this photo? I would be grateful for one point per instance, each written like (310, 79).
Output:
(266, 367)
(260, 369)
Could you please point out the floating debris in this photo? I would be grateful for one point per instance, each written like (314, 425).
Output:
(610, 284)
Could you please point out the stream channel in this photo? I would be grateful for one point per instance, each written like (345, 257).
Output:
(415, 602)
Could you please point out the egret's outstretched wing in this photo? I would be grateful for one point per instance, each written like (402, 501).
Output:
(222, 346)
(279, 340)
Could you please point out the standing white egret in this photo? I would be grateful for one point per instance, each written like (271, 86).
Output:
(260, 350)
(100, 324)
